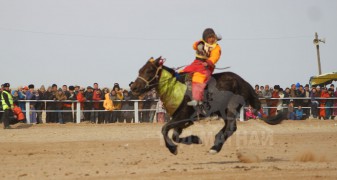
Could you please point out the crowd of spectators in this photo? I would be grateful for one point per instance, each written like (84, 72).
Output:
(98, 105)
(114, 105)
(297, 102)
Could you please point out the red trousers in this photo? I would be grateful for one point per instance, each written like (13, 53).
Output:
(201, 75)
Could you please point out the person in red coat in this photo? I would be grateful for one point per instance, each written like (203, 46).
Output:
(274, 102)
(80, 98)
(324, 94)
(97, 96)
(18, 113)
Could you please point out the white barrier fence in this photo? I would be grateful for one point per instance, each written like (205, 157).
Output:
(78, 110)
(136, 110)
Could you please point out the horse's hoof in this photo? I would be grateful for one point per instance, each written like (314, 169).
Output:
(196, 140)
(174, 150)
(212, 151)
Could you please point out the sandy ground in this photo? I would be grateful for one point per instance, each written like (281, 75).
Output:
(291, 150)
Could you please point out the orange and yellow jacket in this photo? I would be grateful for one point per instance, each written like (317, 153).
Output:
(213, 52)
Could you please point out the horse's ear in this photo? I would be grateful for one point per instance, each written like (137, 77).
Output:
(151, 60)
(160, 61)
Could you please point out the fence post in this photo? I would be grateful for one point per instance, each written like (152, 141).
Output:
(28, 112)
(242, 116)
(136, 112)
(78, 112)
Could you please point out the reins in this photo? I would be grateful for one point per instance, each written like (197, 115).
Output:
(148, 85)
(154, 77)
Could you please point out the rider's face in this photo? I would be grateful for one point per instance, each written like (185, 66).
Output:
(210, 40)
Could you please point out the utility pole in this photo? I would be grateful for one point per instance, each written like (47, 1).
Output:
(316, 42)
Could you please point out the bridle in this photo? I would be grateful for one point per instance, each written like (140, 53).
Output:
(154, 77)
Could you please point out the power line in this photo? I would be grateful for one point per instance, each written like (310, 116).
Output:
(145, 38)
(89, 36)
(268, 38)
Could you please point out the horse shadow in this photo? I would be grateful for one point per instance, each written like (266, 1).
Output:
(21, 126)
(218, 162)
(267, 160)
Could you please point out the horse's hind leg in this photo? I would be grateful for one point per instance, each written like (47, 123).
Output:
(229, 115)
(224, 133)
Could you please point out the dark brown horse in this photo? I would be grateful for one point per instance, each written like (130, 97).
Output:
(226, 93)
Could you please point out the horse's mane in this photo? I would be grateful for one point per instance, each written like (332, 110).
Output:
(180, 77)
(170, 70)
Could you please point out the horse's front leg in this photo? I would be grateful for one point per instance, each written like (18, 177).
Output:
(192, 139)
(168, 142)
(178, 126)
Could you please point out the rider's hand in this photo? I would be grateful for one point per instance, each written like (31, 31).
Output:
(200, 47)
(204, 64)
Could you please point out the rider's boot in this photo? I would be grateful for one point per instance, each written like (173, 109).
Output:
(194, 103)
(197, 94)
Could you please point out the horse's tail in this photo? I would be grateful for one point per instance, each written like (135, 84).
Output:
(254, 101)
(273, 120)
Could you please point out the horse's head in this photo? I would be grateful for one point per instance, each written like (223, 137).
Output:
(148, 76)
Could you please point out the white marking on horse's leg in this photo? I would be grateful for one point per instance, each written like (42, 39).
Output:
(212, 151)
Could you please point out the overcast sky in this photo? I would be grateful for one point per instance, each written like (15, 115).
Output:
(107, 41)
